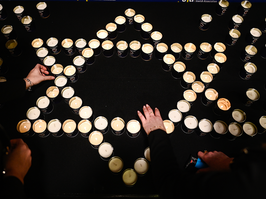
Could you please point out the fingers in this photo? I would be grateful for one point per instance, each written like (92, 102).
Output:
(141, 117)
(150, 111)
(48, 78)
(146, 112)
(157, 113)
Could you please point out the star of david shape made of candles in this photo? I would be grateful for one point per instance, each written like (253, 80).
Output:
(72, 125)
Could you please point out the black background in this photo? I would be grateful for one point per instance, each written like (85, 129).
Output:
(119, 87)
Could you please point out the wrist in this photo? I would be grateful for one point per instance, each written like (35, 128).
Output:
(29, 84)
(14, 174)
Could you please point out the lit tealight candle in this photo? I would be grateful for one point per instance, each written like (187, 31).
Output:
(118, 124)
(115, 164)
(169, 126)
(129, 177)
(95, 138)
(105, 150)
(198, 86)
(23, 126)
(69, 126)
(39, 126)
(141, 166)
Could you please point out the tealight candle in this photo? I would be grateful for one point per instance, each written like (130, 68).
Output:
(42, 53)
(33, 113)
(54, 127)
(206, 77)
(102, 34)
(43, 102)
(118, 125)
(183, 106)
(169, 126)
(79, 61)
(37, 43)
(213, 68)
(105, 150)
(250, 129)
(198, 86)
(69, 70)
(175, 115)
(147, 153)
(141, 166)
(235, 130)
(69, 126)
(220, 128)
(39, 126)
(95, 138)
(75, 103)
(52, 92)
(60, 81)
(101, 123)
(239, 115)
(190, 123)
(115, 164)
(205, 126)
(49, 61)
(23, 126)
(85, 112)
(190, 95)
(84, 126)
(133, 127)
(57, 69)
(262, 122)
(129, 177)
(67, 93)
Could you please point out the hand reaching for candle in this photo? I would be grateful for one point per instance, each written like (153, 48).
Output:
(151, 120)
(217, 161)
(37, 75)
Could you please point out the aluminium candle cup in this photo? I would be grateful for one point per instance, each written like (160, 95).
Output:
(247, 53)
(238, 115)
(80, 45)
(234, 131)
(67, 93)
(219, 59)
(205, 22)
(70, 73)
(37, 43)
(105, 151)
(190, 124)
(43, 10)
(19, 12)
(220, 129)
(188, 51)
(39, 127)
(130, 13)
(146, 29)
(112, 30)
(262, 125)
(108, 48)
(102, 35)
(88, 54)
(204, 51)
(221, 106)
(160, 50)
(52, 92)
(54, 127)
(168, 62)
(190, 96)
(221, 7)
(95, 45)
(178, 70)
(68, 46)
(3, 13)
(57, 70)
(252, 96)
(75, 103)
(115, 164)
(28, 23)
(44, 104)
(53, 45)
(13, 47)
(146, 52)
(210, 95)
(176, 50)
(9, 32)
(42, 53)
(169, 126)
(24, 128)
(198, 86)
(122, 49)
(33, 113)
(248, 70)
(175, 116)
(232, 37)
(95, 138)
(253, 36)
(84, 127)
(147, 154)
(141, 166)
(129, 177)
(214, 69)
(187, 80)
(156, 37)
(183, 106)
(69, 127)
(218, 47)
(205, 127)
(138, 21)
(118, 126)
(49, 61)
(249, 129)
(133, 128)
(79, 62)
(135, 48)
(121, 23)
(206, 77)
(101, 124)
(60, 82)
(236, 21)
(244, 7)
(85, 112)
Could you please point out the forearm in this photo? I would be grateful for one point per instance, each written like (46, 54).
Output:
(12, 188)
(12, 89)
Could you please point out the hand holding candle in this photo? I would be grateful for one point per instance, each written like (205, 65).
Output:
(151, 120)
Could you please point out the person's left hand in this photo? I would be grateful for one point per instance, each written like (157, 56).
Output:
(38, 74)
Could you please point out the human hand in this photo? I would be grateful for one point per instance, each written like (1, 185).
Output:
(152, 120)
(37, 75)
(217, 161)
(18, 160)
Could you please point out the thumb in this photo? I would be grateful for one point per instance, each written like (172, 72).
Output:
(201, 155)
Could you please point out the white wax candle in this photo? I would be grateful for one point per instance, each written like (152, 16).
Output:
(190, 95)
(238, 115)
(69, 70)
(49, 61)
(147, 153)
(54, 126)
(57, 69)
(169, 59)
(252, 94)
(237, 19)
(51, 42)
(120, 20)
(147, 48)
(206, 77)
(220, 57)
(224, 104)
(135, 45)
(41, 6)
(39, 126)
(213, 68)
(211, 94)
(67, 92)
(139, 18)
(129, 177)
(60, 81)
(33, 113)
(146, 27)
(169, 126)
(107, 45)
(191, 122)
(75, 102)
(100, 123)
(179, 66)
(122, 45)
(111, 27)
(189, 77)
(205, 125)
(205, 47)
(69, 126)
(87, 52)
(255, 32)
(162, 47)
(67, 43)
(43, 102)
(176, 47)
(115, 164)
(79, 61)
(141, 166)
(130, 12)
(183, 106)
(190, 47)
(206, 18)
(175, 115)
(250, 67)
(156, 35)
(80, 43)
(219, 47)
(133, 126)
(18, 9)
(220, 127)
(95, 138)
(94, 43)
(52, 92)
(84, 126)
(36, 43)
(85, 112)
(235, 129)
(249, 129)
(105, 150)
(102, 34)
(198, 87)
(42, 52)
(117, 124)
(26, 20)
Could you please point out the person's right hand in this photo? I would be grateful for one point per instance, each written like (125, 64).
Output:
(18, 160)
(217, 161)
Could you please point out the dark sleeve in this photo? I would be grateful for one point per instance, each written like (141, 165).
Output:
(12, 188)
(12, 89)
